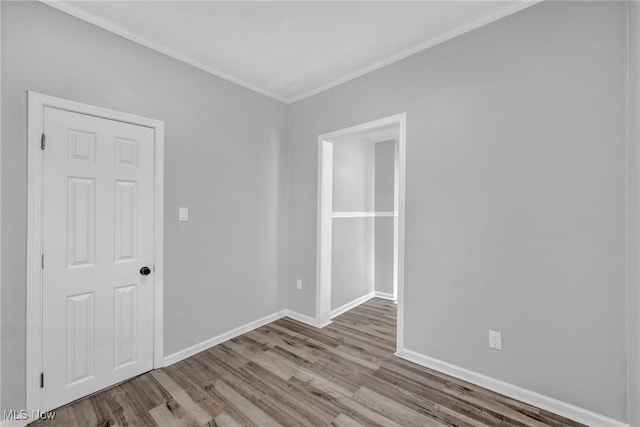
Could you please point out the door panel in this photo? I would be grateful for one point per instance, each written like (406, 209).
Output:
(81, 338)
(125, 317)
(81, 221)
(98, 233)
(126, 230)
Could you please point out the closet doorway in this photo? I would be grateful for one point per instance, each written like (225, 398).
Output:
(361, 190)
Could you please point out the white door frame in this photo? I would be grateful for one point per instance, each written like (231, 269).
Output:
(325, 205)
(36, 104)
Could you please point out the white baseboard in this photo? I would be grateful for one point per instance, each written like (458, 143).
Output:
(197, 348)
(550, 404)
(311, 321)
(305, 319)
(385, 295)
(348, 306)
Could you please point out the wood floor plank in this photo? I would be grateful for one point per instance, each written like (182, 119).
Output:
(195, 385)
(290, 374)
(251, 411)
(102, 410)
(425, 400)
(83, 412)
(230, 410)
(348, 405)
(394, 410)
(274, 338)
(224, 420)
(199, 415)
(343, 421)
(259, 390)
(438, 393)
(65, 417)
(170, 414)
(136, 400)
(305, 407)
(264, 359)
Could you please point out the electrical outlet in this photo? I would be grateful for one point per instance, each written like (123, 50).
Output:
(495, 340)
(299, 284)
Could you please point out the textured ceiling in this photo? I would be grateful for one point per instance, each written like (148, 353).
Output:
(289, 50)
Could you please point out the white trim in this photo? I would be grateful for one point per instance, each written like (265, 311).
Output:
(325, 230)
(158, 254)
(396, 191)
(34, 243)
(356, 302)
(538, 400)
(36, 104)
(516, 7)
(384, 295)
(325, 215)
(307, 320)
(363, 214)
(363, 127)
(99, 22)
(219, 339)
(398, 284)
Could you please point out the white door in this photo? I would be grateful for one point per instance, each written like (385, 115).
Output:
(97, 238)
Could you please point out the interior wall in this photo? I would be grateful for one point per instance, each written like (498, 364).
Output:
(352, 260)
(634, 214)
(225, 159)
(352, 255)
(385, 153)
(353, 175)
(384, 202)
(516, 197)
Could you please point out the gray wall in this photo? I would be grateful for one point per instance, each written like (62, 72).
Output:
(225, 160)
(634, 214)
(383, 281)
(352, 264)
(384, 202)
(516, 213)
(353, 175)
(385, 175)
(352, 255)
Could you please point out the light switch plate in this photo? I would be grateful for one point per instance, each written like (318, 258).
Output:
(183, 214)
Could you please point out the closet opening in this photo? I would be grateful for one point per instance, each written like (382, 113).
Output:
(360, 216)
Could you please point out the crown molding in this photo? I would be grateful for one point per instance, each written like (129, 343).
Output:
(68, 8)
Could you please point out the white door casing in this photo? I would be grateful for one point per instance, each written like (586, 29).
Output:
(324, 218)
(95, 207)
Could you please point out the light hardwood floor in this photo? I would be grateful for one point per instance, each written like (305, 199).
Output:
(287, 373)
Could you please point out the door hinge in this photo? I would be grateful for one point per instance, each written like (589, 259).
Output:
(42, 142)
(41, 379)
(42, 261)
